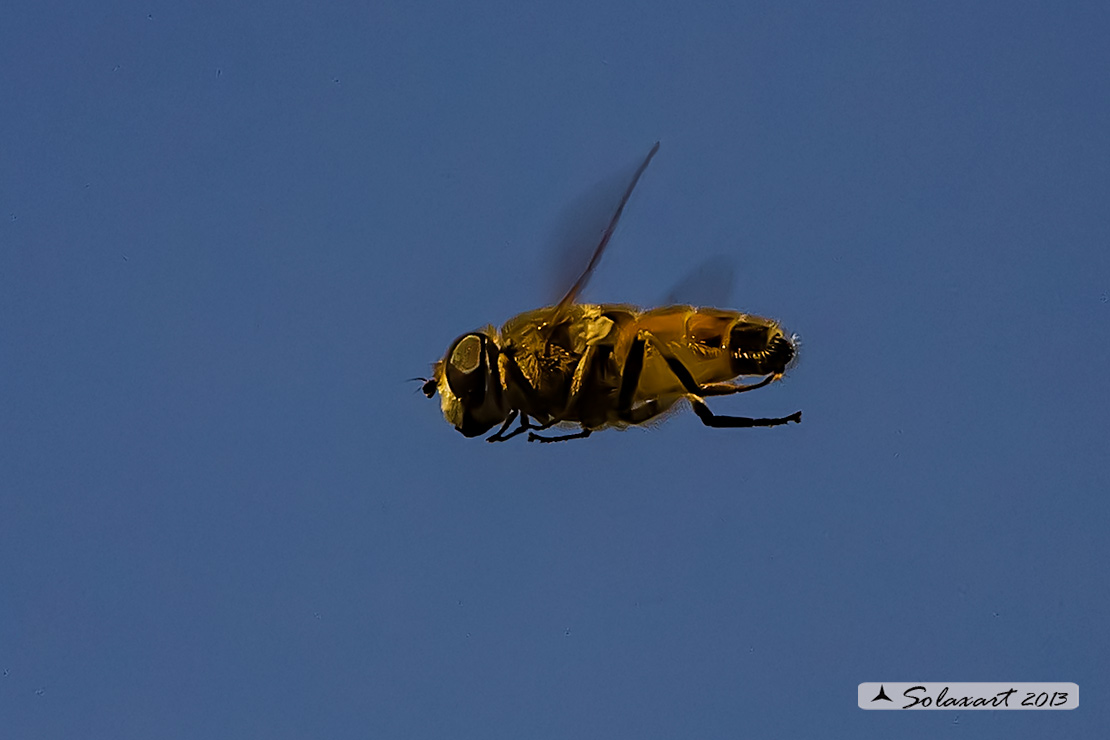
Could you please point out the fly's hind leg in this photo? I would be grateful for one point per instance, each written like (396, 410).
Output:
(727, 389)
(715, 420)
(634, 366)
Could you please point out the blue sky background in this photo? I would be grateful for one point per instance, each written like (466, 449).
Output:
(230, 232)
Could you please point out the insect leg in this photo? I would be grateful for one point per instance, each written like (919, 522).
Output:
(499, 435)
(715, 420)
(726, 389)
(525, 425)
(517, 377)
(533, 437)
(630, 379)
(582, 386)
(695, 392)
(579, 379)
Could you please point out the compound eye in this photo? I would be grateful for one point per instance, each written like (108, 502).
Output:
(467, 354)
(466, 369)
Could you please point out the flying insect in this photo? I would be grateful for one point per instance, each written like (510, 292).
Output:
(594, 366)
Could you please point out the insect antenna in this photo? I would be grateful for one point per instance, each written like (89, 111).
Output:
(427, 385)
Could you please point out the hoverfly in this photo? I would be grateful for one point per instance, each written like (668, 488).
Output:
(609, 365)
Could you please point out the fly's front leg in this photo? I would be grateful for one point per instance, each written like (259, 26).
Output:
(525, 425)
(500, 436)
(508, 421)
(512, 374)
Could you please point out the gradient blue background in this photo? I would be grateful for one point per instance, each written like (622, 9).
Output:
(229, 234)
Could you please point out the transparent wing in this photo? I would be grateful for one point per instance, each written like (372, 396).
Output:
(584, 277)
